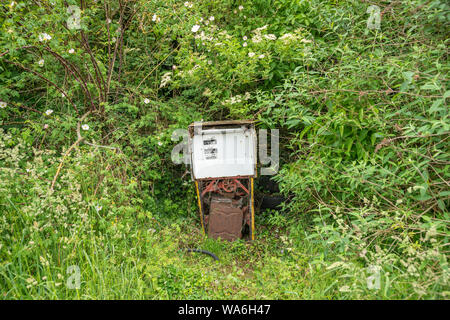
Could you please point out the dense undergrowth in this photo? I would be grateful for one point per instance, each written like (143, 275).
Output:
(87, 115)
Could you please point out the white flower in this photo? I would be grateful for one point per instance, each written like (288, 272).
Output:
(3, 105)
(165, 79)
(154, 17)
(98, 208)
(13, 4)
(258, 30)
(206, 22)
(174, 67)
(41, 62)
(233, 100)
(209, 62)
(244, 44)
(345, 289)
(257, 39)
(270, 36)
(261, 56)
(251, 54)
(49, 112)
(160, 143)
(45, 126)
(44, 261)
(286, 36)
(244, 38)
(146, 101)
(44, 37)
(211, 18)
(195, 28)
(241, 8)
(190, 71)
(71, 50)
(85, 127)
(188, 4)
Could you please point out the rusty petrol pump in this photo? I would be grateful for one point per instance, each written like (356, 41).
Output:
(223, 158)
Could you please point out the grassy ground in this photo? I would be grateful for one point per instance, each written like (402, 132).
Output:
(146, 261)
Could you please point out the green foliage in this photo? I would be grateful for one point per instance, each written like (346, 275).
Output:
(364, 122)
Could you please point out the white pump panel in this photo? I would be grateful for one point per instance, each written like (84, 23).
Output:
(218, 153)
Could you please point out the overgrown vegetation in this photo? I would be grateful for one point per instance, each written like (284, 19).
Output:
(87, 116)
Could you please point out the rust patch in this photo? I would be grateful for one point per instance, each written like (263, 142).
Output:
(222, 124)
(225, 219)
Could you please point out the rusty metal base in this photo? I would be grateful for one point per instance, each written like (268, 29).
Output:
(225, 218)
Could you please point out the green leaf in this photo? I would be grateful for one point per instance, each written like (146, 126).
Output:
(435, 106)
(429, 86)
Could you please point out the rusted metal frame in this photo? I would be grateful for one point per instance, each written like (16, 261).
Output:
(210, 187)
(227, 185)
(214, 185)
(242, 186)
